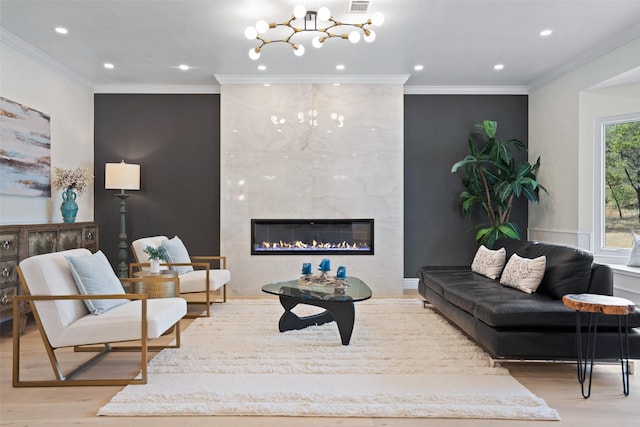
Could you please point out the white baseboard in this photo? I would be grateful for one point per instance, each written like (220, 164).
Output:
(410, 283)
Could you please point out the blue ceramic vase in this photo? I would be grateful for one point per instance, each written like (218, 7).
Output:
(69, 207)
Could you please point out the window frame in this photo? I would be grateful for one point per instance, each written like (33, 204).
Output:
(613, 255)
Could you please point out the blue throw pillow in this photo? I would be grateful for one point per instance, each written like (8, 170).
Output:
(94, 276)
(177, 253)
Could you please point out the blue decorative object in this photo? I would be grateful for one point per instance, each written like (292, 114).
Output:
(69, 207)
(342, 272)
(306, 268)
(325, 265)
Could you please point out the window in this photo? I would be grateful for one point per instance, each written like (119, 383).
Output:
(617, 186)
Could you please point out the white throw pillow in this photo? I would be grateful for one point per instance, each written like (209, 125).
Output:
(94, 276)
(489, 263)
(524, 274)
(634, 258)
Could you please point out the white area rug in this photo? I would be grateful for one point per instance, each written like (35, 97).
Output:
(403, 361)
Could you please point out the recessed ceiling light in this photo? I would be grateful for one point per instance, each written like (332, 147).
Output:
(184, 67)
(267, 85)
(62, 30)
(336, 84)
(419, 67)
(108, 66)
(545, 33)
(498, 67)
(339, 67)
(262, 67)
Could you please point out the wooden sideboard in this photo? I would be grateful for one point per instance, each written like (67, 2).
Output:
(18, 242)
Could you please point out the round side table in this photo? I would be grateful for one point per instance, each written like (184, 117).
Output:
(596, 305)
(157, 288)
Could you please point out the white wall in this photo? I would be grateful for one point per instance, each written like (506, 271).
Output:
(561, 131)
(557, 134)
(70, 107)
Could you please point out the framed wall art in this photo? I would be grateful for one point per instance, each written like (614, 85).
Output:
(25, 151)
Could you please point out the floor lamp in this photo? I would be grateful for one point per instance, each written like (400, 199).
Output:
(122, 176)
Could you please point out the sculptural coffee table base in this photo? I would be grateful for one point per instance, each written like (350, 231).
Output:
(339, 306)
(343, 312)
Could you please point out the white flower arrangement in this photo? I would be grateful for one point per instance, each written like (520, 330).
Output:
(77, 179)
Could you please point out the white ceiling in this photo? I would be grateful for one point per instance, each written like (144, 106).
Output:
(457, 41)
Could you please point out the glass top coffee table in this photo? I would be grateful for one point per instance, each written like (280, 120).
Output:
(337, 302)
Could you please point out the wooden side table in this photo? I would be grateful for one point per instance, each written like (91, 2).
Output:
(595, 305)
(157, 288)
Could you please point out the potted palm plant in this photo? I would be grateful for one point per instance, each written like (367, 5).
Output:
(493, 179)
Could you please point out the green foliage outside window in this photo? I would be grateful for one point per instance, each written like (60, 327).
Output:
(622, 183)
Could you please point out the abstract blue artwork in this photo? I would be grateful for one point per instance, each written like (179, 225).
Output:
(25, 151)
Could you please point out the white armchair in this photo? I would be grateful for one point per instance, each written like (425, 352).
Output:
(64, 318)
(202, 280)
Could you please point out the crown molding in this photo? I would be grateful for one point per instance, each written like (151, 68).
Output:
(40, 57)
(158, 89)
(587, 56)
(380, 79)
(465, 90)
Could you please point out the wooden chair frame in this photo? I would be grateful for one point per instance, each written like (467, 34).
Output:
(134, 266)
(67, 379)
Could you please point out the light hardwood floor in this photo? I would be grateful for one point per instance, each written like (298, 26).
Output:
(65, 406)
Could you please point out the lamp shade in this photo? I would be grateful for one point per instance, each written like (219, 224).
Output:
(121, 176)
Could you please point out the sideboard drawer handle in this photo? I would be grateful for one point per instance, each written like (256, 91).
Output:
(89, 235)
(6, 245)
(5, 272)
(4, 299)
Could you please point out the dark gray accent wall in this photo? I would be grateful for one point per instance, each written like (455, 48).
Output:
(436, 129)
(176, 141)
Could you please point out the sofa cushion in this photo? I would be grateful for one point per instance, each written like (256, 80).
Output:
(512, 246)
(196, 281)
(449, 274)
(568, 269)
(461, 287)
(489, 263)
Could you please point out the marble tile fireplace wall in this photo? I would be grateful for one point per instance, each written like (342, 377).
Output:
(312, 151)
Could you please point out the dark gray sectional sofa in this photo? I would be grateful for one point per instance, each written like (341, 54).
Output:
(511, 324)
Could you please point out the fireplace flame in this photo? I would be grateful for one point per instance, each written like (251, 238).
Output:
(298, 244)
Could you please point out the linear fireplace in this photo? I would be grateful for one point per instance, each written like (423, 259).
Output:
(311, 236)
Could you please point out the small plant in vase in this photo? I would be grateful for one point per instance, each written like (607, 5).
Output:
(155, 256)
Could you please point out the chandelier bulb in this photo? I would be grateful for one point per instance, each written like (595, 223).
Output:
(369, 36)
(299, 11)
(298, 49)
(324, 13)
(254, 53)
(354, 36)
(262, 26)
(316, 42)
(250, 33)
(377, 19)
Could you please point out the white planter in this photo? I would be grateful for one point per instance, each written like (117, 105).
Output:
(154, 265)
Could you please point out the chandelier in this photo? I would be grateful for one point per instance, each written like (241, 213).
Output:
(312, 19)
